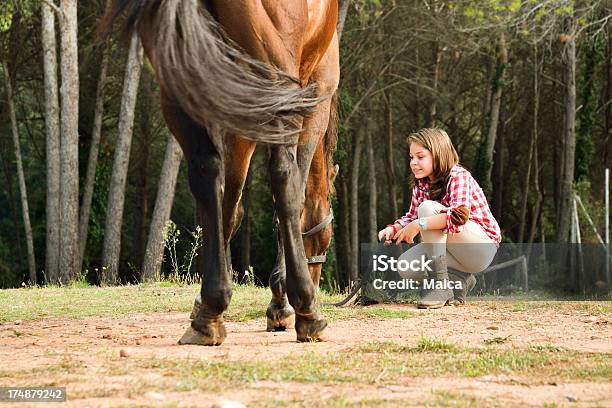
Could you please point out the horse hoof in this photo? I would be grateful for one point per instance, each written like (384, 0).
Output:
(281, 324)
(280, 319)
(214, 337)
(310, 330)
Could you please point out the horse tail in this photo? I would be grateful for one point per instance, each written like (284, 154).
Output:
(210, 78)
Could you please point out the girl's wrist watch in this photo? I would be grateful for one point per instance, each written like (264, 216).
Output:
(423, 224)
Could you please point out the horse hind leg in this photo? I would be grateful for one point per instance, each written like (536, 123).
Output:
(286, 186)
(205, 167)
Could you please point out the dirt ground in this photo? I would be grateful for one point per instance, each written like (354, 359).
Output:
(95, 358)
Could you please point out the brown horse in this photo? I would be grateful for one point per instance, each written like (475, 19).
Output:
(232, 74)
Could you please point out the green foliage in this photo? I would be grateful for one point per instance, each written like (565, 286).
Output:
(181, 271)
(594, 56)
(595, 210)
(487, 11)
(6, 16)
(368, 10)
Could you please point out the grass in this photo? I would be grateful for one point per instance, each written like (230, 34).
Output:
(366, 367)
(373, 363)
(79, 301)
(378, 363)
(248, 302)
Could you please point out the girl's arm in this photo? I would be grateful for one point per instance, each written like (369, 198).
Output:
(407, 233)
(417, 198)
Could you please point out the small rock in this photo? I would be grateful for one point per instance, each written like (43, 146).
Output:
(124, 353)
(226, 403)
(571, 398)
(591, 319)
(17, 322)
(138, 342)
(492, 328)
(155, 395)
(106, 336)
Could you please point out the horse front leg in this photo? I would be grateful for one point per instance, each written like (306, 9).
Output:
(280, 315)
(286, 186)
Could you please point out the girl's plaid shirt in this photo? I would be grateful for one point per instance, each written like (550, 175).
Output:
(461, 189)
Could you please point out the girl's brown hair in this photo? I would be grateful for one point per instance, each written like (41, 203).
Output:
(444, 158)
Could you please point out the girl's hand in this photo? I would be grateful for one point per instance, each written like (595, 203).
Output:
(386, 234)
(407, 233)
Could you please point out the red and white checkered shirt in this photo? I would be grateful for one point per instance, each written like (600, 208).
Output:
(462, 189)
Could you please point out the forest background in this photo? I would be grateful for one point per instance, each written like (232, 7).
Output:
(522, 87)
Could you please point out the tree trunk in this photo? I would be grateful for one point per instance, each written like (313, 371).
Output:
(569, 135)
(342, 12)
(498, 190)
(69, 180)
(21, 177)
(92, 162)
(533, 156)
(116, 194)
(433, 104)
(373, 223)
(354, 260)
(496, 88)
(389, 162)
(608, 96)
(161, 214)
(141, 198)
(52, 122)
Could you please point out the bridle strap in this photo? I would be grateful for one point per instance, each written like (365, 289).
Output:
(320, 226)
(317, 259)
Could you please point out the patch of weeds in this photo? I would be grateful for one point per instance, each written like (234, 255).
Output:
(181, 270)
(94, 393)
(496, 340)
(596, 308)
(454, 399)
(424, 344)
(80, 280)
(519, 306)
(507, 361)
(251, 314)
(551, 348)
(379, 312)
(67, 366)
